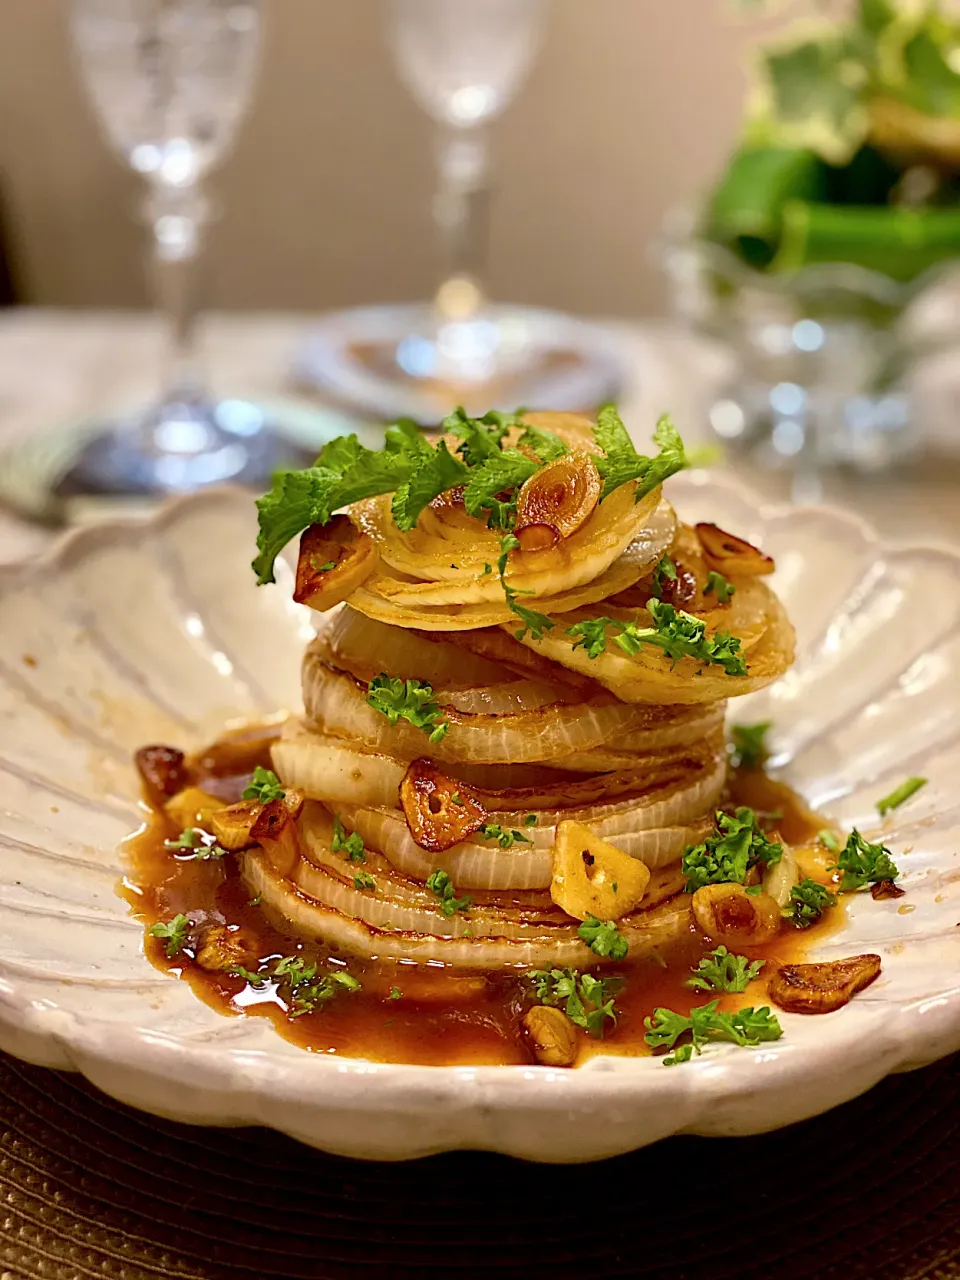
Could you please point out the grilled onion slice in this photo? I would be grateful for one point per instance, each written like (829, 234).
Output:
(336, 703)
(484, 938)
(650, 676)
(335, 558)
(326, 767)
(731, 555)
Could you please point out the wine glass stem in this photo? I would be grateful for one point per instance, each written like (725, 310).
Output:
(460, 211)
(178, 223)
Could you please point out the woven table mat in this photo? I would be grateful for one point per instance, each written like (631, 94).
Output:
(90, 1188)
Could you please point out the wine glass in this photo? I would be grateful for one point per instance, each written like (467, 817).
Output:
(170, 81)
(463, 61)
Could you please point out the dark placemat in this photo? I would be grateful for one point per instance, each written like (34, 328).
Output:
(90, 1188)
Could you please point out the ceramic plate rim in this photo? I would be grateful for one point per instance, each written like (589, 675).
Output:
(236, 1083)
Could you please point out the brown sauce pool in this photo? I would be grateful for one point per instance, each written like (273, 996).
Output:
(443, 1017)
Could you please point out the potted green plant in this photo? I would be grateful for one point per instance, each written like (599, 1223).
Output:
(838, 209)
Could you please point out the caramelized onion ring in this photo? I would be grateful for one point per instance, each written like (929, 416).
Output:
(336, 703)
(548, 945)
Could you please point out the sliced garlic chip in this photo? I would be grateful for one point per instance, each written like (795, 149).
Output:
(592, 877)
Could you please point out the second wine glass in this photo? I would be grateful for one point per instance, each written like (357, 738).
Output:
(463, 61)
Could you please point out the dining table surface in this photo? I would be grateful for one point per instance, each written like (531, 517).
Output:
(61, 367)
(91, 1188)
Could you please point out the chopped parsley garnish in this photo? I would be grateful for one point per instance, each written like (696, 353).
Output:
(534, 622)
(603, 937)
(623, 463)
(681, 635)
(440, 884)
(592, 635)
(174, 932)
(412, 700)
(395, 994)
(505, 838)
(718, 585)
(364, 880)
(749, 743)
(325, 568)
(745, 1027)
(530, 820)
(729, 852)
(807, 902)
(254, 979)
(198, 844)
(416, 472)
(264, 786)
(300, 984)
(721, 971)
(351, 845)
(678, 634)
(863, 863)
(829, 840)
(900, 795)
(589, 1000)
(665, 570)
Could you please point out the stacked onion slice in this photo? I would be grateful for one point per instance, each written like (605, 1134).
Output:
(536, 732)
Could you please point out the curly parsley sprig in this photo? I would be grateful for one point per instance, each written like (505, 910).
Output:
(718, 585)
(346, 472)
(729, 852)
(441, 886)
(173, 933)
(721, 971)
(808, 900)
(351, 845)
(410, 700)
(300, 984)
(622, 463)
(263, 786)
(863, 863)
(676, 633)
(588, 1000)
(666, 571)
(603, 938)
(746, 1028)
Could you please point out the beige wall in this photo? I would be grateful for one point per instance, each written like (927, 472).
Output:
(326, 198)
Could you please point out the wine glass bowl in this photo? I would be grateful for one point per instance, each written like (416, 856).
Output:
(170, 82)
(463, 61)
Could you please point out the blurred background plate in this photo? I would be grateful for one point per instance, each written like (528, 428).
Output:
(382, 361)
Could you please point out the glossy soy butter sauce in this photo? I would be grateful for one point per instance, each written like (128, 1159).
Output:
(430, 1013)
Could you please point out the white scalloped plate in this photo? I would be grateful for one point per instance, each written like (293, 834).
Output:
(137, 632)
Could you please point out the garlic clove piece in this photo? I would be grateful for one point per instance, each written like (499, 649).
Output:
(592, 877)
